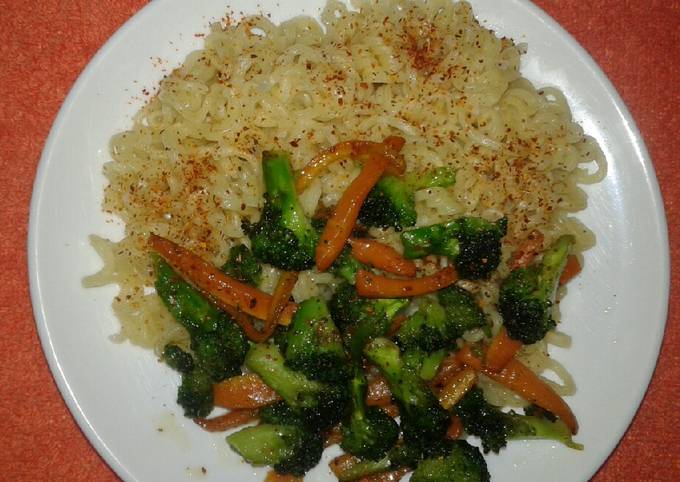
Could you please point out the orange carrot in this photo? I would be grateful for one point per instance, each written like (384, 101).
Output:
(391, 409)
(274, 476)
(382, 256)
(343, 463)
(235, 418)
(370, 285)
(358, 150)
(243, 391)
(391, 476)
(571, 269)
(333, 436)
(280, 300)
(501, 350)
(528, 250)
(378, 392)
(397, 321)
(341, 222)
(526, 383)
(223, 290)
(447, 368)
(456, 387)
(455, 429)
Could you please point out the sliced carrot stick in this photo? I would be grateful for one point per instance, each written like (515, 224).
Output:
(343, 463)
(447, 368)
(501, 350)
(397, 321)
(243, 391)
(333, 436)
(571, 269)
(371, 285)
(341, 222)
(382, 256)
(279, 303)
(457, 386)
(223, 290)
(378, 392)
(391, 409)
(358, 150)
(455, 429)
(274, 476)
(466, 357)
(526, 383)
(233, 419)
(391, 476)
(526, 253)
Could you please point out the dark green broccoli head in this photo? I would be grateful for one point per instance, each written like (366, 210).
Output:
(528, 294)
(280, 413)
(391, 203)
(361, 319)
(178, 359)
(473, 244)
(462, 463)
(220, 354)
(369, 432)
(289, 449)
(461, 310)
(423, 420)
(323, 404)
(314, 345)
(243, 265)
(426, 329)
(482, 419)
(284, 236)
(495, 427)
(195, 394)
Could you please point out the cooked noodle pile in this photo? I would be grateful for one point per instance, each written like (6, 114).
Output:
(189, 167)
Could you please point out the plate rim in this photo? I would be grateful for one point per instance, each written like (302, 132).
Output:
(70, 398)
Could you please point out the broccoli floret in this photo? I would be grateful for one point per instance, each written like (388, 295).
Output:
(280, 413)
(185, 303)
(361, 319)
(220, 353)
(346, 266)
(438, 325)
(462, 463)
(528, 294)
(423, 420)
(400, 456)
(218, 344)
(284, 236)
(321, 403)
(391, 203)
(425, 364)
(243, 265)
(462, 311)
(495, 427)
(290, 449)
(195, 393)
(473, 244)
(178, 359)
(369, 433)
(314, 345)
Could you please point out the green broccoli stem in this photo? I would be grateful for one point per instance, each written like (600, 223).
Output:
(526, 427)
(264, 444)
(185, 303)
(553, 263)
(424, 421)
(266, 360)
(437, 177)
(280, 185)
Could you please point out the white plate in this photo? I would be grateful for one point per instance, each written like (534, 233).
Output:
(121, 396)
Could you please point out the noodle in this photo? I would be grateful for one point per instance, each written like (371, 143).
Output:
(188, 168)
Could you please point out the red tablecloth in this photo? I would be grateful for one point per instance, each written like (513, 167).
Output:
(43, 47)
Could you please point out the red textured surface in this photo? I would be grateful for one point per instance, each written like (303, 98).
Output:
(43, 47)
